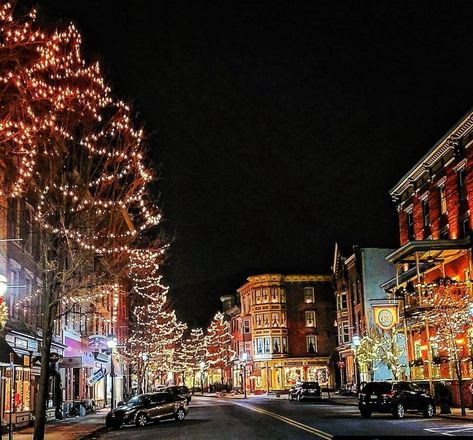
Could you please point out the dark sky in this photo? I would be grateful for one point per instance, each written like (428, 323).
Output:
(278, 127)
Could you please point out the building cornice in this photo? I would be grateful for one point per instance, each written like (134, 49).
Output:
(447, 142)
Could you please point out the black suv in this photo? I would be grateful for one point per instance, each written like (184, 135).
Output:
(395, 398)
(181, 391)
(148, 407)
(305, 390)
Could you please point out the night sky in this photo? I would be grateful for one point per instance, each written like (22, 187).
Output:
(277, 128)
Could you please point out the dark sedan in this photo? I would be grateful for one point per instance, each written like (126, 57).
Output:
(181, 391)
(305, 390)
(142, 409)
(396, 398)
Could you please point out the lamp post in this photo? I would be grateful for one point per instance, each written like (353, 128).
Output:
(111, 345)
(356, 343)
(244, 358)
(144, 357)
(202, 365)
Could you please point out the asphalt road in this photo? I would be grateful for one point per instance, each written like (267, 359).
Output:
(262, 418)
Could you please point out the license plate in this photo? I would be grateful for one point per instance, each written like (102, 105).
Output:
(311, 391)
(374, 397)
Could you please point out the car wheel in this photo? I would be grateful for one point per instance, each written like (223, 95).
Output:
(180, 414)
(429, 410)
(399, 411)
(365, 413)
(141, 420)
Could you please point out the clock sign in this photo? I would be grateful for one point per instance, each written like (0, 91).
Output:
(385, 316)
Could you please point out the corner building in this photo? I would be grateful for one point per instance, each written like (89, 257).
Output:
(434, 200)
(292, 330)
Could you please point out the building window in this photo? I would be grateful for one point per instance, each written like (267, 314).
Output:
(311, 344)
(259, 345)
(342, 301)
(258, 296)
(276, 345)
(283, 296)
(464, 227)
(310, 318)
(309, 295)
(267, 345)
(274, 295)
(265, 295)
(275, 320)
(426, 212)
(410, 226)
(442, 199)
(266, 319)
(444, 233)
(461, 175)
(284, 344)
(246, 326)
(344, 333)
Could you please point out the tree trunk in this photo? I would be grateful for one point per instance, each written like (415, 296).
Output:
(42, 400)
(460, 385)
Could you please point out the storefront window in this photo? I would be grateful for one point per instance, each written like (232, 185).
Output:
(292, 375)
(21, 393)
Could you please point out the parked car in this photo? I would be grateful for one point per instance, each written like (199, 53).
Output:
(395, 398)
(142, 409)
(181, 391)
(305, 390)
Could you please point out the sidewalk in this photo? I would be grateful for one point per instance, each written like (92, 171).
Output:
(73, 428)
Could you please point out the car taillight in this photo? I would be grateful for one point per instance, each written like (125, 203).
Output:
(390, 394)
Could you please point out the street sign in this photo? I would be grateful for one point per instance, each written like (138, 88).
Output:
(98, 375)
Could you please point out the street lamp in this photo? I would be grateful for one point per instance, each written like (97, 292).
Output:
(111, 345)
(144, 357)
(244, 358)
(202, 365)
(356, 343)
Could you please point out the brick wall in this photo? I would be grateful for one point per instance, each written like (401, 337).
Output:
(403, 227)
(418, 219)
(324, 307)
(451, 189)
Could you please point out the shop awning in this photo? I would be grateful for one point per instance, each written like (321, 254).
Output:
(5, 351)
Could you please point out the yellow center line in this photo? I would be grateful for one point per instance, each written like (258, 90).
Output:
(307, 428)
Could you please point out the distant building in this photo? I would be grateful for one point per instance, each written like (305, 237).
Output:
(357, 280)
(289, 320)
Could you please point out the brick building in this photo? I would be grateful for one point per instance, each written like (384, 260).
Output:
(434, 200)
(291, 321)
(357, 280)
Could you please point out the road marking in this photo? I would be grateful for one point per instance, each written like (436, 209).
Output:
(307, 428)
(450, 430)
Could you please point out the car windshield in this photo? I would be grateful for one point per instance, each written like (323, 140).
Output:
(377, 387)
(310, 384)
(135, 401)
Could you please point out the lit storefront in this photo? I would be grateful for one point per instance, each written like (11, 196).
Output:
(282, 374)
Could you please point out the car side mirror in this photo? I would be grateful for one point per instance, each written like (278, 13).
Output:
(121, 403)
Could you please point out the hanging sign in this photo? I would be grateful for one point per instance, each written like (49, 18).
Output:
(98, 375)
(386, 316)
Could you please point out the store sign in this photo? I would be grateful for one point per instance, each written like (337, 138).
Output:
(98, 375)
(386, 316)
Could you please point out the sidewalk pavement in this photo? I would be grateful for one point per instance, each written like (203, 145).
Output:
(73, 428)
